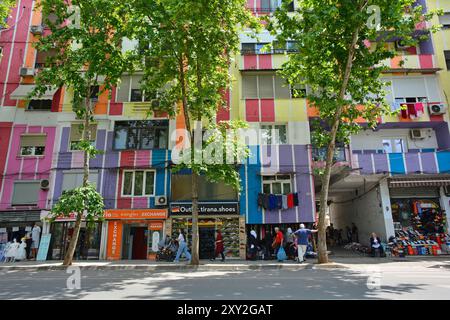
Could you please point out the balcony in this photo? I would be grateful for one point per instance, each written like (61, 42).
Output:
(419, 162)
(320, 154)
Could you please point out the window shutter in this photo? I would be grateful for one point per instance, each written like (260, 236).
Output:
(249, 87)
(135, 82)
(26, 193)
(265, 86)
(37, 140)
(123, 91)
(281, 88)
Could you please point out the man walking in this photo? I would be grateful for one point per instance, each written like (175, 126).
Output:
(302, 241)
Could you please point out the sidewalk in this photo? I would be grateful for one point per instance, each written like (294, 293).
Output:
(336, 262)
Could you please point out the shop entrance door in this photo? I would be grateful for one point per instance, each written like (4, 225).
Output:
(139, 251)
(207, 242)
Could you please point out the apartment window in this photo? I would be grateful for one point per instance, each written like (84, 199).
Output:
(32, 144)
(394, 145)
(447, 58)
(74, 179)
(76, 134)
(277, 184)
(137, 95)
(291, 46)
(40, 105)
(273, 134)
(445, 20)
(269, 86)
(138, 183)
(51, 17)
(207, 190)
(129, 89)
(43, 57)
(95, 90)
(26, 193)
(254, 48)
(141, 135)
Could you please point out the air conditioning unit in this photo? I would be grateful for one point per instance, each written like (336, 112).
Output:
(437, 108)
(45, 184)
(417, 134)
(27, 71)
(160, 200)
(36, 30)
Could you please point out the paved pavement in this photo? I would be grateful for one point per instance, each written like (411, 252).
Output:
(363, 278)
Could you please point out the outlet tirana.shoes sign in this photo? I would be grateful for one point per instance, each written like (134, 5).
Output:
(205, 208)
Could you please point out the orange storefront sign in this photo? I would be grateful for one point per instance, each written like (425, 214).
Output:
(114, 240)
(119, 214)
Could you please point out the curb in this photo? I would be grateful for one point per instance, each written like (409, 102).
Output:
(179, 267)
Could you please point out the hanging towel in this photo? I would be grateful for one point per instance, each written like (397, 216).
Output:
(295, 199)
(395, 106)
(266, 201)
(260, 200)
(285, 202)
(272, 202)
(419, 108)
(412, 111)
(279, 201)
(290, 200)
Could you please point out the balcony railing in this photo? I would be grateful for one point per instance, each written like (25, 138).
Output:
(320, 154)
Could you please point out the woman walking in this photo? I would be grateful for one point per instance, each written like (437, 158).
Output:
(182, 247)
(219, 246)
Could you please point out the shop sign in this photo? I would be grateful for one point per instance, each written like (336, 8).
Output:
(114, 240)
(114, 214)
(43, 247)
(155, 226)
(205, 209)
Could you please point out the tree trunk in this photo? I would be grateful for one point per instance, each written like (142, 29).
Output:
(76, 231)
(322, 237)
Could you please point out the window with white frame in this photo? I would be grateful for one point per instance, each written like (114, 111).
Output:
(277, 184)
(74, 179)
(394, 145)
(138, 183)
(411, 99)
(273, 134)
(32, 144)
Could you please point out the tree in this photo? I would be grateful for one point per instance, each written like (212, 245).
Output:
(186, 45)
(341, 46)
(5, 9)
(86, 38)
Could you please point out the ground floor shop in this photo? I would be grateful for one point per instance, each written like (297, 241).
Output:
(134, 234)
(17, 225)
(408, 212)
(212, 217)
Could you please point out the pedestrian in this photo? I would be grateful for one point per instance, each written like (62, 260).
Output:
(349, 234)
(219, 246)
(355, 236)
(278, 241)
(182, 247)
(302, 241)
(252, 245)
(375, 245)
(330, 235)
(35, 236)
(289, 239)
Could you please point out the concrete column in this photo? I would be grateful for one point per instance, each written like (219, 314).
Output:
(103, 241)
(386, 210)
(445, 205)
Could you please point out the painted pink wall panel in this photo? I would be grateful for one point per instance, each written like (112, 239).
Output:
(267, 110)
(223, 114)
(250, 3)
(252, 110)
(77, 159)
(34, 129)
(45, 163)
(140, 203)
(127, 159)
(265, 61)
(250, 61)
(258, 4)
(426, 61)
(143, 158)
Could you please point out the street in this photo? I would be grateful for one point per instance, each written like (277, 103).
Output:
(394, 280)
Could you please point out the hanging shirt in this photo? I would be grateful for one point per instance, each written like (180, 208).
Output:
(266, 201)
(272, 202)
(260, 200)
(290, 200)
(412, 111)
(396, 106)
(296, 199)
(419, 108)
(279, 202)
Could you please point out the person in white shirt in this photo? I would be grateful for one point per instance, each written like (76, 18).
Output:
(182, 247)
(35, 236)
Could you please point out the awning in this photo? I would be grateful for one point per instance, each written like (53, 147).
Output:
(23, 90)
(412, 182)
(20, 216)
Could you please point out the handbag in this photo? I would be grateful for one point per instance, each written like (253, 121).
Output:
(281, 255)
